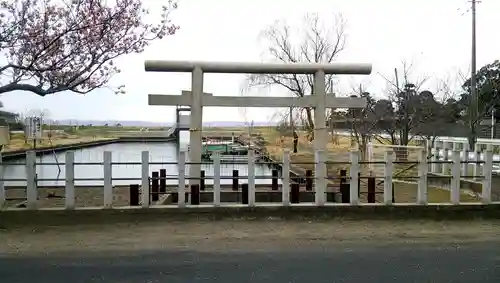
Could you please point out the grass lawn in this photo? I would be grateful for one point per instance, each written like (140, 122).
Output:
(17, 141)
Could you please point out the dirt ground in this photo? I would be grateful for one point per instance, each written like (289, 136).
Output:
(84, 196)
(261, 235)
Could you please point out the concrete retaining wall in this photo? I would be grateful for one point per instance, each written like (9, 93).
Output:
(475, 186)
(18, 154)
(23, 218)
(470, 185)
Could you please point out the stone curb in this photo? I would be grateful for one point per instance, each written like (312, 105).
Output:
(57, 217)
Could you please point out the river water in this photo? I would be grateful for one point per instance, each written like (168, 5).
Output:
(121, 152)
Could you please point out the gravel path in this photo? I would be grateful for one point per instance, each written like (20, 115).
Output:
(240, 235)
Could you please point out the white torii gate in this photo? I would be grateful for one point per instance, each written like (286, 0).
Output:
(197, 99)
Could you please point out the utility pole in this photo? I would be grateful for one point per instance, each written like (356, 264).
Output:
(493, 132)
(474, 106)
(402, 104)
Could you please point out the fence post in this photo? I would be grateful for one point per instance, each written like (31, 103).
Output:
(429, 149)
(155, 186)
(274, 180)
(251, 177)
(145, 179)
(134, 195)
(31, 180)
(345, 192)
(434, 159)
(108, 184)
(236, 181)
(163, 181)
(354, 189)
(456, 147)
(388, 171)
(285, 183)
(423, 167)
(488, 168)
(455, 179)
(216, 158)
(244, 193)
(477, 159)
(2, 185)
(309, 180)
(489, 147)
(195, 194)
(371, 190)
(295, 192)
(181, 189)
(69, 190)
(202, 180)
(465, 165)
(446, 157)
(320, 172)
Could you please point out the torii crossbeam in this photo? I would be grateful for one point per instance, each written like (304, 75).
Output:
(255, 101)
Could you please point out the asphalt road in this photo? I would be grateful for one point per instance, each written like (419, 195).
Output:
(346, 263)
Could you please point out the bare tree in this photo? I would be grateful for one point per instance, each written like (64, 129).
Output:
(318, 42)
(363, 121)
(367, 123)
(404, 94)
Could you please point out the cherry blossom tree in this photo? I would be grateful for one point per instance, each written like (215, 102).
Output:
(49, 46)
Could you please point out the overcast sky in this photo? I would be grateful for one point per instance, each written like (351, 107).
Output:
(433, 34)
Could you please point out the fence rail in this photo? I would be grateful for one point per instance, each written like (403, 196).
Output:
(349, 180)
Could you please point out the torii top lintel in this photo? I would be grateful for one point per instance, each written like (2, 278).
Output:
(257, 68)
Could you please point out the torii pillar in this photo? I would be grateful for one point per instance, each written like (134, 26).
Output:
(179, 125)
